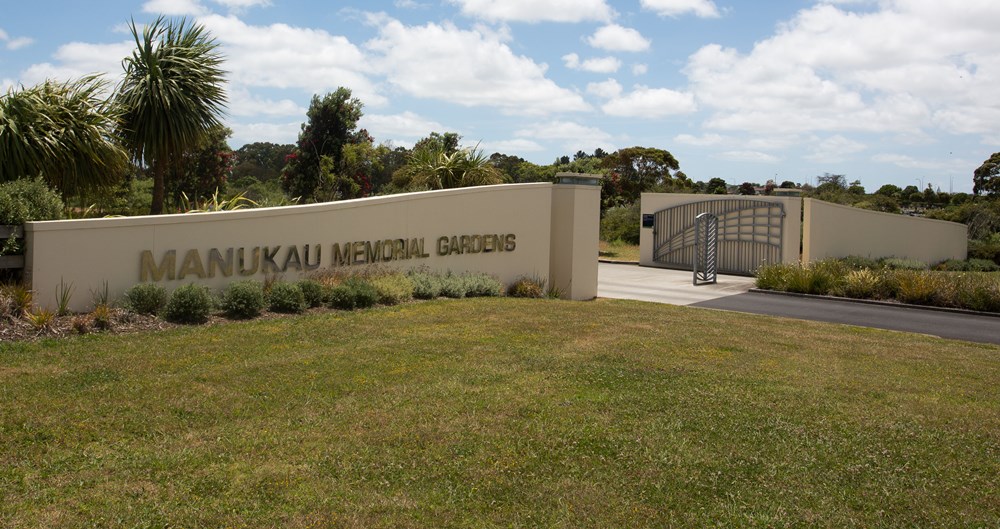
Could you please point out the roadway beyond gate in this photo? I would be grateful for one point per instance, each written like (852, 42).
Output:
(627, 281)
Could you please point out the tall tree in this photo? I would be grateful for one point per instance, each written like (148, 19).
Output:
(172, 95)
(201, 171)
(634, 170)
(332, 123)
(64, 132)
(986, 178)
(432, 168)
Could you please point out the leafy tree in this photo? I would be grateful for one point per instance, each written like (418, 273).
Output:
(787, 184)
(261, 160)
(633, 170)
(889, 190)
(855, 188)
(769, 187)
(831, 181)
(63, 132)
(332, 124)
(717, 186)
(202, 170)
(986, 178)
(446, 143)
(171, 96)
(746, 188)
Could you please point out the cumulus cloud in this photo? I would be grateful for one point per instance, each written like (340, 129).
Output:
(174, 7)
(466, 67)
(77, 59)
(514, 145)
(14, 43)
(606, 89)
(835, 149)
(673, 8)
(639, 69)
(283, 56)
(243, 4)
(645, 102)
(570, 135)
(536, 10)
(404, 126)
(909, 162)
(244, 133)
(243, 103)
(617, 38)
(596, 65)
(902, 68)
(705, 140)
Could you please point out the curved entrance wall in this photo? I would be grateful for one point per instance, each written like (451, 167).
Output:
(542, 230)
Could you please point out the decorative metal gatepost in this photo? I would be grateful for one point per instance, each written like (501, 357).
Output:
(706, 248)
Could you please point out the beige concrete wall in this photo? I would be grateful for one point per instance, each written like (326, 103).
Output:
(653, 202)
(832, 230)
(86, 253)
(576, 214)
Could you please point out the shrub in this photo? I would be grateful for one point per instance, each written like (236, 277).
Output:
(483, 285)
(527, 287)
(393, 289)
(425, 285)
(42, 320)
(101, 317)
(145, 298)
(286, 297)
(190, 303)
(28, 199)
(453, 286)
(894, 263)
(970, 265)
(856, 262)
(15, 300)
(860, 284)
(915, 287)
(81, 324)
(988, 248)
(977, 292)
(312, 292)
(243, 299)
(771, 276)
(816, 278)
(353, 293)
(621, 224)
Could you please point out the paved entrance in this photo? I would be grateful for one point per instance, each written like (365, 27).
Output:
(731, 293)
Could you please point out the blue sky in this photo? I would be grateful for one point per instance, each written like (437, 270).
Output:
(890, 91)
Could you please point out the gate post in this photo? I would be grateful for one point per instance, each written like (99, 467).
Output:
(706, 246)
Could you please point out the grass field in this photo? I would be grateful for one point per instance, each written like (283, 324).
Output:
(501, 413)
(618, 251)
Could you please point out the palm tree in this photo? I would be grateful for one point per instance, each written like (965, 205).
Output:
(435, 169)
(171, 96)
(64, 132)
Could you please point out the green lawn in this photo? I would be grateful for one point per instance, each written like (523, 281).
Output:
(618, 251)
(502, 413)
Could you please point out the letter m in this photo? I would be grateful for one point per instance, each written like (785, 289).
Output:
(149, 271)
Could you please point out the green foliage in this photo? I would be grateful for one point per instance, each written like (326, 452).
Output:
(332, 124)
(171, 95)
(454, 286)
(621, 223)
(482, 285)
(202, 169)
(393, 289)
(15, 300)
(312, 292)
(101, 317)
(261, 161)
(894, 263)
(426, 285)
(41, 319)
(716, 186)
(988, 248)
(353, 293)
(28, 199)
(635, 170)
(63, 132)
(746, 188)
(969, 265)
(64, 293)
(145, 298)
(243, 299)
(527, 287)
(986, 178)
(286, 297)
(190, 303)
(429, 167)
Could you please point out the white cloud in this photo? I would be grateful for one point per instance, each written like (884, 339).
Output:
(835, 149)
(617, 38)
(468, 68)
(905, 67)
(517, 145)
(537, 10)
(77, 59)
(705, 140)
(14, 43)
(645, 102)
(571, 135)
(243, 103)
(639, 69)
(243, 4)
(673, 8)
(174, 7)
(606, 89)
(909, 162)
(282, 56)
(597, 65)
(281, 133)
(406, 125)
(750, 156)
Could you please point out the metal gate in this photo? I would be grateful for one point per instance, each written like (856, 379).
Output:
(750, 233)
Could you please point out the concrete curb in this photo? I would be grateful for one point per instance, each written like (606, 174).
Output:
(609, 261)
(876, 302)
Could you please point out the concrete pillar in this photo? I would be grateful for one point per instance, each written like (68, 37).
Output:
(576, 219)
